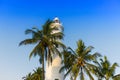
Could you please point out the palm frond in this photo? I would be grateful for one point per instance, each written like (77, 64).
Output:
(28, 41)
(36, 51)
(46, 27)
(88, 73)
(113, 67)
(30, 31)
(67, 73)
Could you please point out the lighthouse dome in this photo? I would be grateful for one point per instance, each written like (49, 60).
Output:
(56, 20)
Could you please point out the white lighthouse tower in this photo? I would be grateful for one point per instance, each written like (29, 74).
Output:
(52, 70)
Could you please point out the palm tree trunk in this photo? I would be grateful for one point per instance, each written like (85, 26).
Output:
(43, 75)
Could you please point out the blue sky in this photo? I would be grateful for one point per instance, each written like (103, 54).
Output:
(96, 22)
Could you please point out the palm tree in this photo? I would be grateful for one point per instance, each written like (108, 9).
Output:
(104, 69)
(37, 74)
(27, 77)
(46, 43)
(78, 62)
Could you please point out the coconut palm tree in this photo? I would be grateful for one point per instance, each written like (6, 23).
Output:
(27, 77)
(104, 69)
(79, 62)
(46, 43)
(37, 74)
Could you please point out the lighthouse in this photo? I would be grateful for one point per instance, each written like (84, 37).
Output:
(52, 70)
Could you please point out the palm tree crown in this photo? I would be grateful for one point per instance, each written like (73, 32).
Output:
(104, 69)
(36, 75)
(78, 63)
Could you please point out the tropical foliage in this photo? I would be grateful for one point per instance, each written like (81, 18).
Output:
(36, 75)
(46, 43)
(104, 69)
(78, 63)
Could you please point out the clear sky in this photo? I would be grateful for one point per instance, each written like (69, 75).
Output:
(96, 22)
